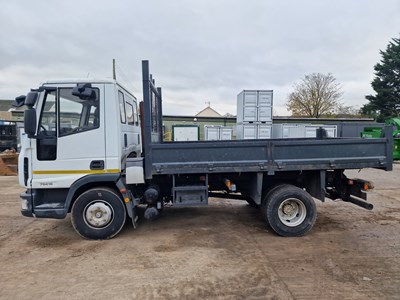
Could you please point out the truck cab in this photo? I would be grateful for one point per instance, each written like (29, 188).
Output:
(77, 124)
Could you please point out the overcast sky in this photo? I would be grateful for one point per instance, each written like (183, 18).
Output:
(199, 50)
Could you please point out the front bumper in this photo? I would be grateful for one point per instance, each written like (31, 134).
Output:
(39, 203)
(27, 203)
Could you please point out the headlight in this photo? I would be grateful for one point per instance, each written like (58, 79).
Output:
(24, 204)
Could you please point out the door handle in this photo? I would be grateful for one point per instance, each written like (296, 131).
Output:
(97, 165)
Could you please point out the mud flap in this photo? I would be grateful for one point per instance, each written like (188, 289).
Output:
(128, 199)
(256, 187)
(132, 212)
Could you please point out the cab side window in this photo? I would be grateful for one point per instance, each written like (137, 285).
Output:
(77, 115)
(131, 110)
(122, 107)
(135, 113)
(47, 131)
(129, 114)
(47, 123)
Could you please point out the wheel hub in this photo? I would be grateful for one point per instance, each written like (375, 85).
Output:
(98, 214)
(292, 212)
(289, 209)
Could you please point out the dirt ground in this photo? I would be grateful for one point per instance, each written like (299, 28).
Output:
(223, 251)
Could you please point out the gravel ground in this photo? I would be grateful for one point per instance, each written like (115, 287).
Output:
(223, 251)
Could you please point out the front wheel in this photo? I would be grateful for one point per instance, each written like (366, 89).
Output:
(98, 214)
(289, 210)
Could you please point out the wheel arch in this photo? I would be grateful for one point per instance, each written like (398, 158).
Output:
(313, 181)
(89, 182)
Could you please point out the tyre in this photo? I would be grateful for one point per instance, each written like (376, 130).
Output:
(266, 194)
(98, 214)
(289, 210)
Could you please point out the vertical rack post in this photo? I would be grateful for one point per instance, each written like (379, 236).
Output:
(152, 116)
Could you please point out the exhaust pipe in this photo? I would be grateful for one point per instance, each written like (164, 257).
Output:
(360, 203)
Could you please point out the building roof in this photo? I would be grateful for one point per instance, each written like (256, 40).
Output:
(208, 112)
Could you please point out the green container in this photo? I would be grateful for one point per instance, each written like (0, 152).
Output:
(396, 150)
(371, 132)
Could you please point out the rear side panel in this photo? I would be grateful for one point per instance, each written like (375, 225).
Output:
(270, 155)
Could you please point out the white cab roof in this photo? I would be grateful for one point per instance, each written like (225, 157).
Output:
(79, 80)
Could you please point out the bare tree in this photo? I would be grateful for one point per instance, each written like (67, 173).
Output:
(343, 111)
(314, 96)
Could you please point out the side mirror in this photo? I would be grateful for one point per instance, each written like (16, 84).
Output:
(84, 91)
(30, 122)
(31, 98)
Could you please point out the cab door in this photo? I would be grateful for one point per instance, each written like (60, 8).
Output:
(70, 139)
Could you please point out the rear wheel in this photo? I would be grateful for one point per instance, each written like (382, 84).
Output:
(289, 210)
(98, 213)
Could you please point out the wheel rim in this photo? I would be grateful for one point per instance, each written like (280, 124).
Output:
(98, 214)
(292, 212)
